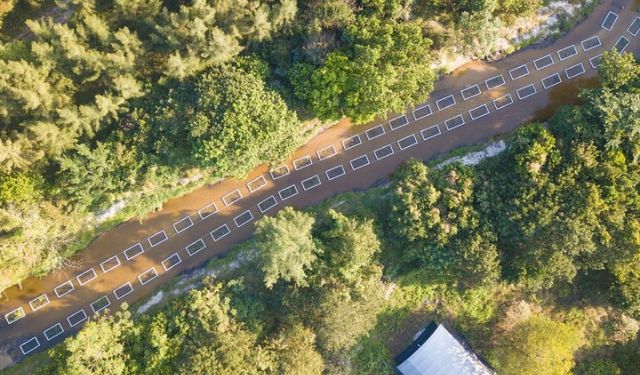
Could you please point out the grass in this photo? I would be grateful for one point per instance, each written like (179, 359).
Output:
(29, 365)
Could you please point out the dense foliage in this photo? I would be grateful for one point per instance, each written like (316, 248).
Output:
(383, 67)
(122, 95)
(102, 97)
(538, 346)
(226, 121)
(253, 324)
(532, 255)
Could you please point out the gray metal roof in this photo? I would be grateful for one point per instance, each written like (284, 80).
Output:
(443, 354)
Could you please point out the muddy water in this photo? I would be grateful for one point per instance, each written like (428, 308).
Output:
(566, 93)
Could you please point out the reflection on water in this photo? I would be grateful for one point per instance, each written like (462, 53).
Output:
(478, 66)
(565, 93)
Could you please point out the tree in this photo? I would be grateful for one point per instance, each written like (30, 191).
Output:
(344, 317)
(226, 121)
(99, 348)
(348, 247)
(627, 286)
(76, 76)
(600, 367)
(19, 188)
(378, 72)
(619, 71)
(203, 34)
(478, 33)
(559, 198)
(5, 8)
(518, 7)
(141, 14)
(538, 346)
(296, 351)
(195, 48)
(618, 114)
(433, 221)
(328, 14)
(33, 240)
(91, 179)
(523, 201)
(196, 334)
(214, 341)
(479, 263)
(239, 123)
(286, 246)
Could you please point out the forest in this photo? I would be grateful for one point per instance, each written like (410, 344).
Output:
(532, 255)
(128, 103)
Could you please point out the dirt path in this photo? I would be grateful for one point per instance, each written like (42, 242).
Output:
(423, 138)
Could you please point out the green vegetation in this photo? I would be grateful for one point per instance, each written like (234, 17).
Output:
(538, 346)
(377, 72)
(286, 246)
(110, 96)
(532, 256)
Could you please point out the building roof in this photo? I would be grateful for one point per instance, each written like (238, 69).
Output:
(437, 352)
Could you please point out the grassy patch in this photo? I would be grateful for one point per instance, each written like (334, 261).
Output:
(29, 365)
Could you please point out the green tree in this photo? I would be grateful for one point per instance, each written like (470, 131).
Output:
(613, 109)
(297, 353)
(328, 14)
(562, 199)
(344, 318)
(141, 14)
(478, 33)
(619, 71)
(33, 240)
(196, 334)
(202, 34)
(519, 7)
(76, 76)
(239, 123)
(19, 188)
(91, 179)
(348, 247)
(287, 249)
(227, 121)
(627, 286)
(523, 200)
(538, 346)
(5, 8)
(99, 348)
(215, 342)
(599, 367)
(433, 221)
(378, 72)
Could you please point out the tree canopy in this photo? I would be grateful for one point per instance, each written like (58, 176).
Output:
(383, 68)
(286, 246)
(539, 346)
(432, 215)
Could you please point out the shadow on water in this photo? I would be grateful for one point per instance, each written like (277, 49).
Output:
(566, 93)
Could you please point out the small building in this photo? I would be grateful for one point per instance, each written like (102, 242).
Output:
(435, 351)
